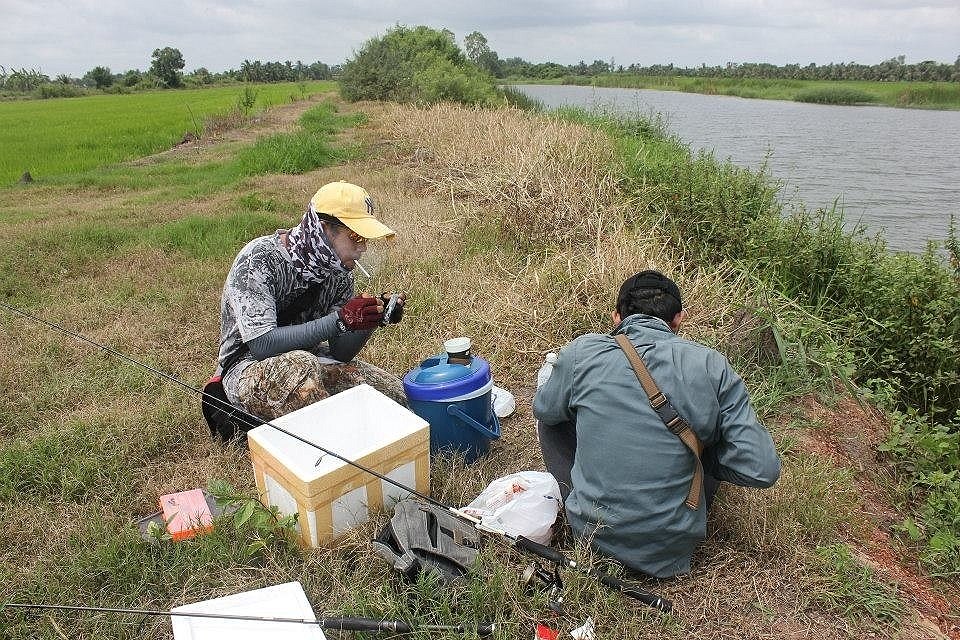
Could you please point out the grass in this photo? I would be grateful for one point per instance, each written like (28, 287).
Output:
(300, 151)
(930, 95)
(854, 591)
(42, 136)
(513, 229)
(835, 95)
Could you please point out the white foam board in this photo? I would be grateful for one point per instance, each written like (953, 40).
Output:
(279, 601)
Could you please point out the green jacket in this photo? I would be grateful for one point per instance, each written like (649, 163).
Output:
(631, 475)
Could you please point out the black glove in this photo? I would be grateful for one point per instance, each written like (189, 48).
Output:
(397, 314)
(361, 313)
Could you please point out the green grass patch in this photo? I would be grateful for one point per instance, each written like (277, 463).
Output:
(159, 182)
(38, 260)
(287, 153)
(74, 461)
(43, 259)
(58, 136)
(212, 237)
(301, 151)
(835, 95)
(854, 591)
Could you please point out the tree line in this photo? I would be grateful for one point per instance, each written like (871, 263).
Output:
(167, 63)
(165, 71)
(892, 70)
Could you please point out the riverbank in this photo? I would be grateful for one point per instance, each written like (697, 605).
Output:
(891, 171)
(512, 228)
(921, 95)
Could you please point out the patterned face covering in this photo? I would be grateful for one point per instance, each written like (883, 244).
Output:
(310, 248)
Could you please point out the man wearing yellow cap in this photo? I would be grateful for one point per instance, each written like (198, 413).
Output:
(291, 323)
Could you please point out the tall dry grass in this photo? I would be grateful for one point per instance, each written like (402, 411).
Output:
(536, 222)
(545, 179)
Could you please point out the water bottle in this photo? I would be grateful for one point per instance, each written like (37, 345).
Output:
(546, 368)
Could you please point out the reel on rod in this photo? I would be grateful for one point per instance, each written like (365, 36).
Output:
(537, 578)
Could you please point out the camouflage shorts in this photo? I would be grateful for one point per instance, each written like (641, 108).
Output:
(281, 384)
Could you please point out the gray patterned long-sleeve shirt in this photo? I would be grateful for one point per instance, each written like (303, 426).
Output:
(261, 286)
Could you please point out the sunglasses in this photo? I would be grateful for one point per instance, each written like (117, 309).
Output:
(355, 237)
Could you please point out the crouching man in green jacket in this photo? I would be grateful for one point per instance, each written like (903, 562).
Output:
(634, 489)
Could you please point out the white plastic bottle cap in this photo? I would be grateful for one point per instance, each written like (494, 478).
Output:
(458, 345)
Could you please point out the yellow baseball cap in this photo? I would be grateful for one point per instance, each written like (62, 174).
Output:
(352, 206)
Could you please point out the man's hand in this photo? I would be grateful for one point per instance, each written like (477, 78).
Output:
(397, 314)
(362, 313)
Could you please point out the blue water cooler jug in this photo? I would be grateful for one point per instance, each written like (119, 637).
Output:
(452, 391)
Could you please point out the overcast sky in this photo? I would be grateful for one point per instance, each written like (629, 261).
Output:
(73, 36)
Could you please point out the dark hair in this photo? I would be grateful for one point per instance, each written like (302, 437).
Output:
(335, 226)
(650, 293)
(329, 219)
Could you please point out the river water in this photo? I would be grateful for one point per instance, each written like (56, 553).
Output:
(892, 169)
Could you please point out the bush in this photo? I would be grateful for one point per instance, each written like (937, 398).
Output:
(930, 453)
(943, 96)
(516, 98)
(57, 90)
(835, 95)
(420, 64)
(440, 80)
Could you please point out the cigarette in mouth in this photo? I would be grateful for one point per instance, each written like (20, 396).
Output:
(360, 266)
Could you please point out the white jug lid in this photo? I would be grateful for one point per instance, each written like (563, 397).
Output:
(457, 345)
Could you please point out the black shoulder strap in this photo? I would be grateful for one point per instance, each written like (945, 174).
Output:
(674, 422)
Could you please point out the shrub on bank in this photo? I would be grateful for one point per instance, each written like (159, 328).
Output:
(410, 65)
(935, 95)
(59, 90)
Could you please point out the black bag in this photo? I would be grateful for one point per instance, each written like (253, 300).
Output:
(224, 419)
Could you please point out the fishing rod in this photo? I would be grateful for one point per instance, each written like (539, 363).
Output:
(521, 542)
(371, 625)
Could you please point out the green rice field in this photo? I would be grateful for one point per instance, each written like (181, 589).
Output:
(43, 136)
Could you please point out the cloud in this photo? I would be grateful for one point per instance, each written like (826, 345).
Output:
(72, 37)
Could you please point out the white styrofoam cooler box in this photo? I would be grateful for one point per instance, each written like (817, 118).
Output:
(279, 601)
(331, 496)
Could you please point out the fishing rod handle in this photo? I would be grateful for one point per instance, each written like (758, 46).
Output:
(363, 624)
(545, 552)
(630, 590)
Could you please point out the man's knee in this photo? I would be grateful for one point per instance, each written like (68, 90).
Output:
(281, 384)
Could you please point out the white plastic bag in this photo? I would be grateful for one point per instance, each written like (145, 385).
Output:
(522, 504)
